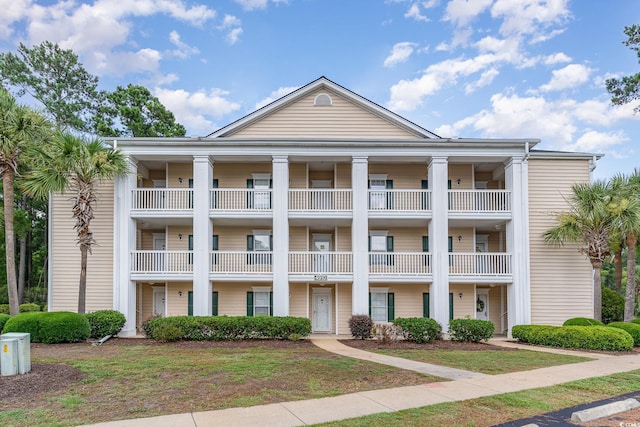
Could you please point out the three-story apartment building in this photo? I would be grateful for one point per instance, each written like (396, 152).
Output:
(324, 204)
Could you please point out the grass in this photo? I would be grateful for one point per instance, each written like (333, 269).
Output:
(488, 411)
(491, 362)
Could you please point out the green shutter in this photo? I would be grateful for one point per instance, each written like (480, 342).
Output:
(191, 194)
(425, 249)
(369, 304)
(389, 186)
(190, 303)
(450, 243)
(450, 306)
(190, 248)
(250, 257)
(214, 242)
(214, 303)
(391, 311)
(214, 183)
(249, 194)
(390, 258)
(214, 202)
(249, 303)
(270, 303)
(425, 304)
(250, 183)
(425, 186)
(190, 182)
(449, 184)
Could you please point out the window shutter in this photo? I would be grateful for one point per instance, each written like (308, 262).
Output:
(369, 304)
(425, 304)
(214, 183)
(450, 250)
(249, 194)
(390, 258)
(450, 305)
(191, 194)
(391, 311)
(190, 247)
(250, 257)
(250, 303)
(190, 182)
(449, 184)
(214, 303)
(250, 183)
(448, 195)
(389, 186)
(423, 197)
(425, 249)
(270, 303)
(425, 184)
(190, 303)
(214, 202)
(370, 263)
(214, 242)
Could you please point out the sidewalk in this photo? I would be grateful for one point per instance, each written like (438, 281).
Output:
(470, 385)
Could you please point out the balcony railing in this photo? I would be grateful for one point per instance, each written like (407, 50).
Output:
(400, 200)
(162, 262)
(241, 262)
(320, 200)
(162, 199)
(479, 264)
(320, 262)
(399, 263)
(237, 200)
(479, 201)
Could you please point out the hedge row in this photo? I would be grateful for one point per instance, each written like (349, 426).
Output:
(582, 321)
(50, 328)
(474, 330)
(632, 329)
(24, 308)
(592, 338)
(220, 328)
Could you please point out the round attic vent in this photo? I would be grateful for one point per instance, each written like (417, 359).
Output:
(322, 99)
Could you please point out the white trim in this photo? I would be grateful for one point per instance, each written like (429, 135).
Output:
(337, 310)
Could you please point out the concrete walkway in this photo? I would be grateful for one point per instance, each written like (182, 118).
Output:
(305, 412)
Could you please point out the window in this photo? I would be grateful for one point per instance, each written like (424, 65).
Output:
(260, 197)
(214, 303)
(382, 244)
(259, 241)
(379, 197)
(322, 100)
(260, 302)
(381, 305)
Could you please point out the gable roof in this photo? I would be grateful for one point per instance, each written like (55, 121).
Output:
(323, 83)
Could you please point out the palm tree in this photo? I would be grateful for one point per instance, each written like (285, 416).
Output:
(20, 129)
(588, 223)
(625, 208)
(76, 165)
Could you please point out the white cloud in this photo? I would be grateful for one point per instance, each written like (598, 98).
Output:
(570, 76)
(195, 109)
(486, 78)
(529, 16)
(121, 63)
(12, 11)
(184, 50)
(461, 12)
(400, 53)
(414, 12)
(556, 58)
(276, 94)
(252, 4)
(598, 142)
(233, 24)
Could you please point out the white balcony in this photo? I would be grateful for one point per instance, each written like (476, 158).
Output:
(478, 267)
(390, 266)
(241, 263)
(161, 263)
(320, 200)
(480, 201)
(244, 200)
(400, 201)
(320, 266)
(161, 201)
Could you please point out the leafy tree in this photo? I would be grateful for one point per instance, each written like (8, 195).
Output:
(77, 165)
(20, 129)
(54, 77)
(133, 111)
(627, 89)
(589, 223)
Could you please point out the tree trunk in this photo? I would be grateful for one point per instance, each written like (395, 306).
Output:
(82, 288)
(630, 294)
(9, 241)
(22, 268)
(597, 291)
(617, 268)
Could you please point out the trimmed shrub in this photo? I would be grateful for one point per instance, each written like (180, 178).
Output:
(4, 308)
(105, 322)
(474, 330)
(579, 337)
(223, 328)
(636, 320)
(50, 328)
(612, 306)
(582, 321)
(419, 329)
(3, 320)
(632, 328)
(29, 307)
(360, 326)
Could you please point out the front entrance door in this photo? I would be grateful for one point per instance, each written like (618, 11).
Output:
(158, 301)
(160, 246)
(321, 312)
(482, 306)
(482, 262)
(321, 257)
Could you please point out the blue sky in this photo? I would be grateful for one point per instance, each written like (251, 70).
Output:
(465, 68)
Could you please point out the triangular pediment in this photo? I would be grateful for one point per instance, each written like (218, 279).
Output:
(323, 109)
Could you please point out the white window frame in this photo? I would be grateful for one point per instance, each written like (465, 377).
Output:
(258, 309)
(373, 236)
(262, 234)
(385, 305)
(378, 191)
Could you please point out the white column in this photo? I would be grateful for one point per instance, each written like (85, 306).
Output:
(519, 292)
(439, 242)
(202, 231)
(280, 207)
(124, 242)
(359, 236)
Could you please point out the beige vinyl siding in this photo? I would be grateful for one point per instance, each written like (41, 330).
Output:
(232, 297)
(145, 242)
(405, 176)
(407, 298)
(298, 239)
(65, 254)
(175, 171)
(145, 292)
(235, 238)
(344, 296)
(235, 175)
(561, 283)
(462, 172)
(178, 305)
(342, 119)
(465, 306)
(407, 239)
(298, 175)
(466, 243)
(488, 177)
(343, 175)
(496, 305)
(174, 243)
(343, 239)
(494, 242)
(298, 300)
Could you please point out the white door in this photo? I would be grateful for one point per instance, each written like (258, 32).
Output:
(159, 258)
(482, 202)
(321, 312)
(378, 194)
(321, 200)
(159, 201)
(482, 261)
(482, 306)
(321, 256)
(158, 302)
(261, 195)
